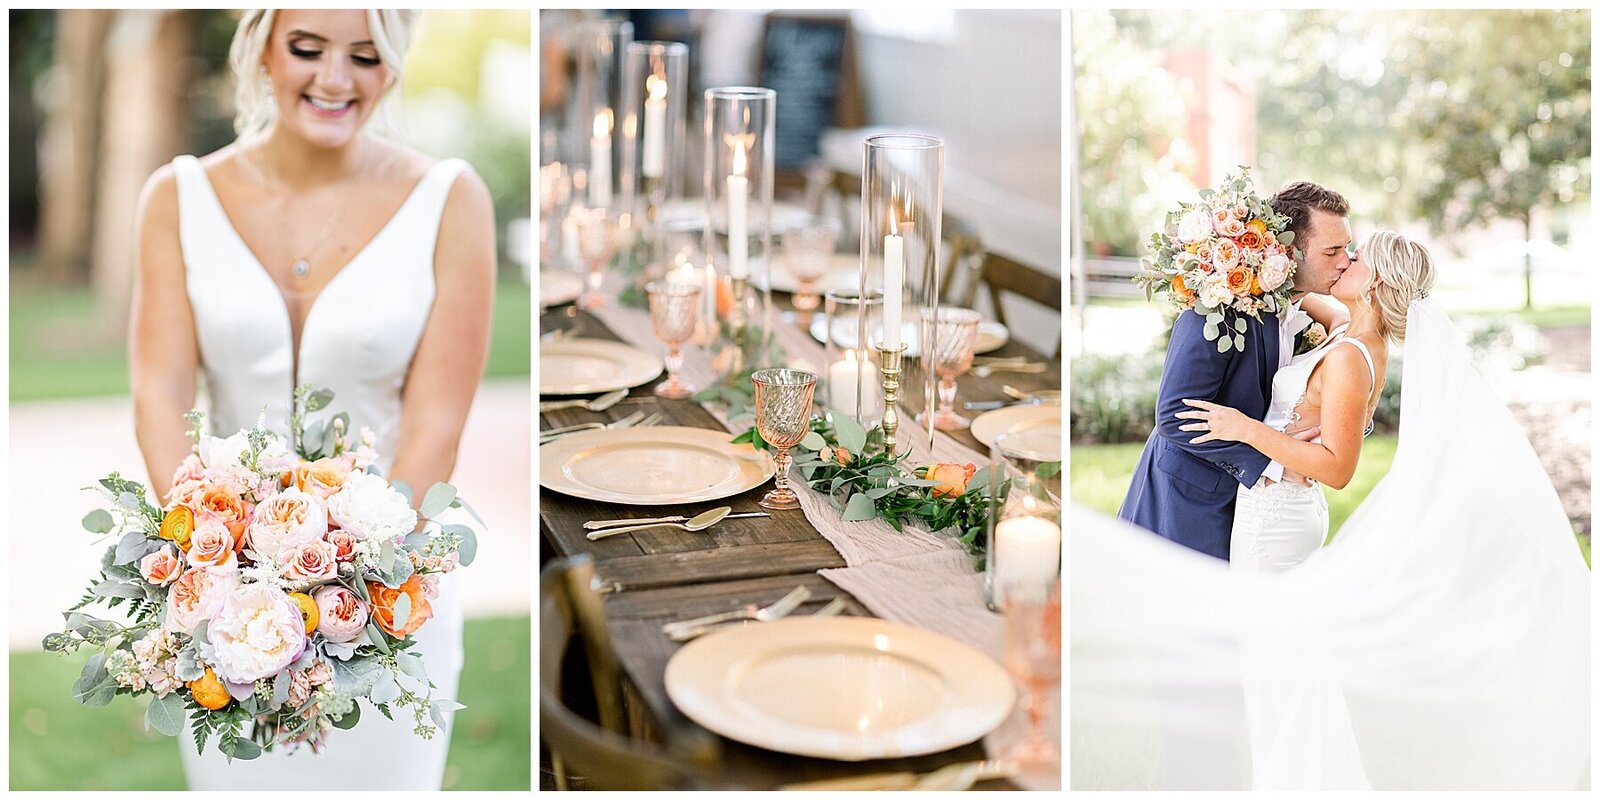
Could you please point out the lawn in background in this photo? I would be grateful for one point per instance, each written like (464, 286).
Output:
(63, 345)
(57, 744)
(1101, 474)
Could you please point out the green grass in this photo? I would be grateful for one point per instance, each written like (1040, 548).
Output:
(1101, 474)
(1540, 317)
(57, 744)
(63, 344)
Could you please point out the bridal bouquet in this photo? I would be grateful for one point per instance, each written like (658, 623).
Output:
(1227, 257)
(274, 590)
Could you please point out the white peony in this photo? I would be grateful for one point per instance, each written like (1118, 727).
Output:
(368, 507)
(1214, 292)
(285, 519)
(220, 454)
(256, 634)
(1275, 271)
(1194, 226)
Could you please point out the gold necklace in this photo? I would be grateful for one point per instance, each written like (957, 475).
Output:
(300, 267)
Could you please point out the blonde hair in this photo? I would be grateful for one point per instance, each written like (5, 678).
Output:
(1403, 272)
(254, 109)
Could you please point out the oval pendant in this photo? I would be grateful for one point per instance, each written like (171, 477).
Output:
(302, 268)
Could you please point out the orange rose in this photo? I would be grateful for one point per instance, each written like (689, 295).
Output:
(383, 599)
(1182, 289)
(1250, 240)
(228, 508)
(1239, 280)
(842, 456)
(724, 298)
(323, 477)
(952, 478)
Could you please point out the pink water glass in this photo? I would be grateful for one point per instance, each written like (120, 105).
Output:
(1032, 621)
(599, 233)
(783, 417)
(674, 315)
(955, 333)
(807, 255)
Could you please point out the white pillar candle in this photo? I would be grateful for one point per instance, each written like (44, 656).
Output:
(600, 160)
(1027, 551)
(738, 225)
(894, 267)
(684, 274)
(655, 127)
(569, 239)
(708, 306)
(846, 382)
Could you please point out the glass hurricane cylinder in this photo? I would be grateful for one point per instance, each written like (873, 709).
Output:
(902, 200)
(598, 45)
(851, 378)
(738, 196)
(651, 121)
(1023, 491)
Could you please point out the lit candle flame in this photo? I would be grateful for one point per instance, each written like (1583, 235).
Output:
(656, 86)
(602, 123)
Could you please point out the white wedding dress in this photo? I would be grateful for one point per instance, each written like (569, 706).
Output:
(1440, 642)
(358, 340)
(1278, 525)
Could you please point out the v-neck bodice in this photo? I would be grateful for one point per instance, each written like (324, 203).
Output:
(360, 331)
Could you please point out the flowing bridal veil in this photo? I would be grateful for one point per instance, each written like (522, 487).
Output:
(1440, 642)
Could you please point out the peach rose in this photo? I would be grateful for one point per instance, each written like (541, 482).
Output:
(1239, 281)
(226, 507)
(383, 599)
(323, 477)
(344, 545)
(952, 478)
(161, 567)
(196, 595)
(1227, 255)
(1182, 289)
(212, 546)
(309, 562)
(343, 614)
(1231, 227)
(286, 519)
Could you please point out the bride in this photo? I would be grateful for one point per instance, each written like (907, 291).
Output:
(311, 251)
(1440, 642)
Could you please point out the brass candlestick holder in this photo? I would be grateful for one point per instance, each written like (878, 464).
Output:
(737, 324)
(889, 364)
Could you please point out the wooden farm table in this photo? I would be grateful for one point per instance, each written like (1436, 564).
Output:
(664, 574)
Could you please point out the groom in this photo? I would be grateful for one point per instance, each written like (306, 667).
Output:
(1185, 492)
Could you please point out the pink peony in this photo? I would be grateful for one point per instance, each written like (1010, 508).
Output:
(343, 614)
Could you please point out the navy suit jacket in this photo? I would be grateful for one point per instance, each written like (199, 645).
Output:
(1185, 492)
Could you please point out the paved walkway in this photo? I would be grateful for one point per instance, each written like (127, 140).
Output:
(58, 447)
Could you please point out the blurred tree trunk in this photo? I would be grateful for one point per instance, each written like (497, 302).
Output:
(144, 112)
(70, 144)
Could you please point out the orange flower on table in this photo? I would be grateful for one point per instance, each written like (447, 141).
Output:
(383, 600)
(1239, 280)
(952, 478)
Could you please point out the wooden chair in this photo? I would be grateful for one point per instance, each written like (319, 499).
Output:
(602, 753)
(1005, 276)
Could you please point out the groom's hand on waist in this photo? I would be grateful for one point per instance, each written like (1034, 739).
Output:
(1289, 475)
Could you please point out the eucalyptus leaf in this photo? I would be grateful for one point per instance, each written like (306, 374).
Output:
(401, 611)
(1214, 318)
(850, 434)
(132, 547)
(1287, 237)
(403, 488)
(94, 686)
(280, 688)
(377, 638)
(118, 589)
(1238, 343)
(813, 441)
(412, 665)
(859, 508)
(98, 521)
(437, 499)
(240, 748)
(385, 690)
(1240, 325)
(1224, 344)
(470, 510)
(1211, 331)
(319, 399)
(128, 500)
(467, 552)
(165, 714)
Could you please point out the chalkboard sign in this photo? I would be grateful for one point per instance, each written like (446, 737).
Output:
(810, 63)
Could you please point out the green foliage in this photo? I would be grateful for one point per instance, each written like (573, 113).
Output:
(58, 744)
(1114, 397)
